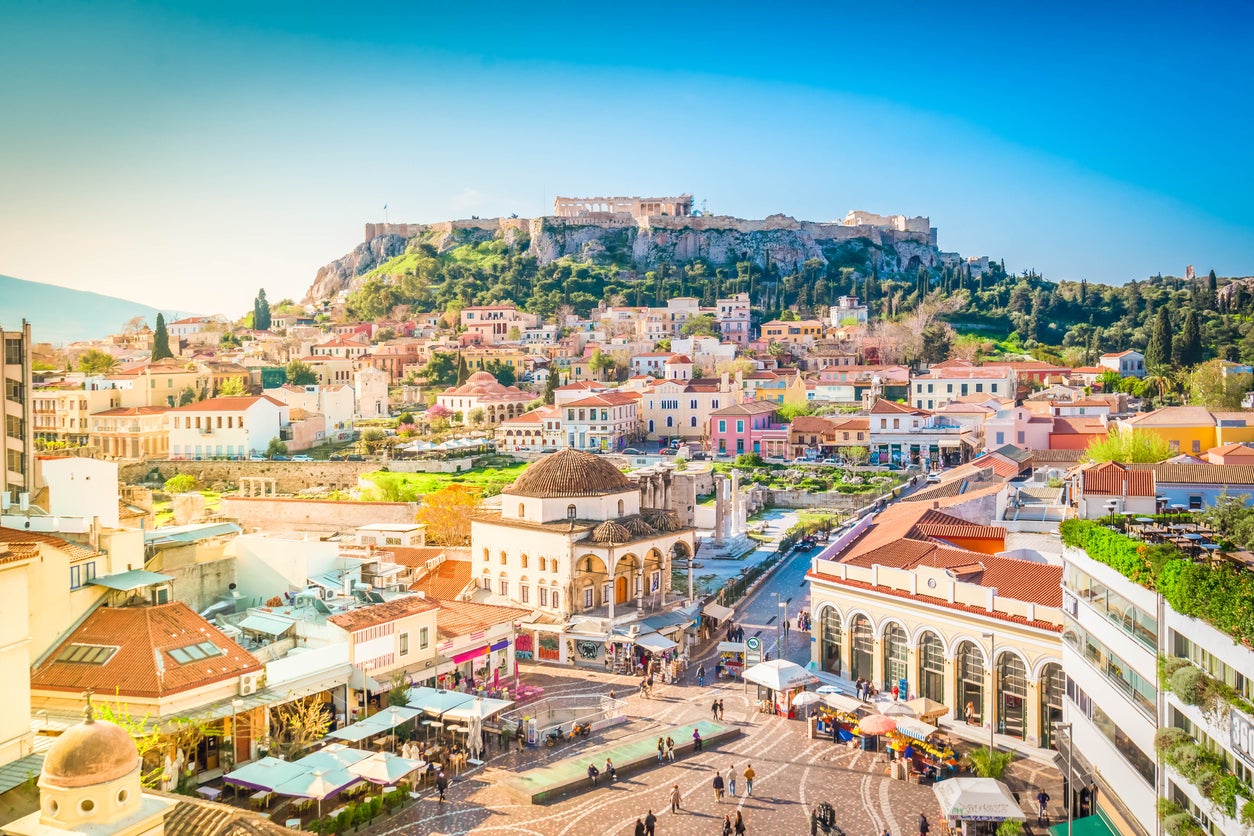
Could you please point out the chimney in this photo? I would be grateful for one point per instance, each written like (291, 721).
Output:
(935, 504)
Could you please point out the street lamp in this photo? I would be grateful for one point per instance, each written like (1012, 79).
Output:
(992, 698)
(1067, 783)
(235, 706)
(780, 636)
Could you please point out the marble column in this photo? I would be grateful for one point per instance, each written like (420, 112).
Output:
(737, 524)
(720, 499)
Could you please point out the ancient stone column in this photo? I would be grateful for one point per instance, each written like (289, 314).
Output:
(720, 498)
(737, 524)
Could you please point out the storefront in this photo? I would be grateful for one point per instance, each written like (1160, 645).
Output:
(730, 663)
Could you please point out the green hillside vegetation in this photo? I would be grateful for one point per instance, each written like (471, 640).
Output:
(411, 487)
(1176, 323)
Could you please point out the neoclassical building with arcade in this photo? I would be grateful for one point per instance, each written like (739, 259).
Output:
(920, 596)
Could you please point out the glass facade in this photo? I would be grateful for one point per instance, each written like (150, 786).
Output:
(862, 650)
(932, 668)
(1119, 673)
(970, 661)
(1012, 696)
(896, 655)
(1134, 621)
(830, 628)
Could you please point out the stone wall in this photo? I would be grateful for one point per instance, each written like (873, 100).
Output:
(292, 477)
(319, 515)
(836, 501)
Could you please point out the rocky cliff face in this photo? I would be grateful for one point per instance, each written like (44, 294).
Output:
(342, 273)
(780, 240)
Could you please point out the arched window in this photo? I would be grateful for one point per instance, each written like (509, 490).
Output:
(932, 667)
(1052, 683)
(620, 507)
(830, 628)
(522, 510)
(895, 655)
(504, 559)
(970, 661)
(1012, 692)
(523, 561)
(485, 556)
(571, 511)
(542, 564)
(862, 650)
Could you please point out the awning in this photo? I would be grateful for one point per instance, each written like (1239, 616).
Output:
(270, 625)
(1095, 825)
(265, 774)
(655, 642)
(977, 799)
(501, 645)
(843, 702)
(718, 612)
(458, 658)
(128, 581)
(731, 647)
(917, 729)
(951, 443)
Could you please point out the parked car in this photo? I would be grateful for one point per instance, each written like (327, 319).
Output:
(279, 459)
(302, 458)
(934, 477)
(353, 457)
(257, 457)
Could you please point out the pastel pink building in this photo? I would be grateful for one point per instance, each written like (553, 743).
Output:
(749, 427)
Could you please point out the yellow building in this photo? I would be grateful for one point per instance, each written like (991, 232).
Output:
(1193, 429)
(159, 384)
(137, 432)
(220, 373)
(915, 598)
(63, 414)
(800, 332)
(477, 360)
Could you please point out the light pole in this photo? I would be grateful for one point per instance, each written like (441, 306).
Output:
(235, 705)
(1067, 781)
(780, 635)
(992, 697)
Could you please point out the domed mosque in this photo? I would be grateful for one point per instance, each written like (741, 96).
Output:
(90, 784)
(573, 541)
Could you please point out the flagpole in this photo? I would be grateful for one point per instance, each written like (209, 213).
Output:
(385, 213)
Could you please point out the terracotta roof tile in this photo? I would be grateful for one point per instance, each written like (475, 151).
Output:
(570, 473)
(459, 618)
(376, 614)
(448, 580)
(142, 665)
(74, 550)
(1111, 479)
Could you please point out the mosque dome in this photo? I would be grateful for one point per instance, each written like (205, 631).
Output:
(90, 753)
(570, 473)
(611, 532)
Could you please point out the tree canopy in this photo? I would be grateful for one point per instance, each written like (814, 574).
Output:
(161, 340)
(1129, 447)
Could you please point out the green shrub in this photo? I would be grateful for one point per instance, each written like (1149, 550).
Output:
(180, 483)
(1191, 684)
(989, 764)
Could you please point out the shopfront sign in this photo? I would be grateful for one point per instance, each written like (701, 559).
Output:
(1242, 732)
(753, 650)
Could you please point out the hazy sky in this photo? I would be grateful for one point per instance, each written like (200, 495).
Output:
(185, 154)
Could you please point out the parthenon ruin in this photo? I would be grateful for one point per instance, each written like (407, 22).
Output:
(638, 207)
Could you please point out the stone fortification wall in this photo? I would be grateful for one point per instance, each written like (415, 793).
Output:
(317, 515)
(900, 223)
(291, 477)
(374, 230)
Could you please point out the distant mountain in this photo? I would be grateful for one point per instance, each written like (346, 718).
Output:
(62, 315)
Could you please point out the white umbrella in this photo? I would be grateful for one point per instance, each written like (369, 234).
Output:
(977, 799)
(316, 785)
(780, 675)
(807, 698)
(474, 737)
(384, 768)
(898, 709)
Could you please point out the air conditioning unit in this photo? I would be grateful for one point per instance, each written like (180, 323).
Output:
(328, 594)
(250, 682)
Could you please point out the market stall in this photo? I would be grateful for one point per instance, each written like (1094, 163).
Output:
(836, 717)
(918, 750)
(976, 805)
(778, 682)
(730, 663)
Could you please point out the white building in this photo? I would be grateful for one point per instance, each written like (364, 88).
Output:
(1128, 363)
(572, 541)
(537, 431)
(184, 328)
(951, 381)
(847, 309)
(608, 421)
(493, 324)
(226, 427)
(334, 402)
(733, 318)
(370, 388)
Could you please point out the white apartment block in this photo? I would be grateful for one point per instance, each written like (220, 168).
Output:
(938, 387)
(226, 427)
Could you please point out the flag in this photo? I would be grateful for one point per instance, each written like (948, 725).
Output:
(385, 207)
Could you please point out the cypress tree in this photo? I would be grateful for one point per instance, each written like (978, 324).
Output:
(161, 341)
(550, 384)
(1189, 346)
(1212, 283)
(261, 312)
(1158, 352)
(1084, 291)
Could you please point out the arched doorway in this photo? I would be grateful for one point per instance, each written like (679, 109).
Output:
(1012, 696)
(620, 589)
(932, 667)
(970, 661)
(862, 648)
(895, 656)
(829, 628)
(1051, 684)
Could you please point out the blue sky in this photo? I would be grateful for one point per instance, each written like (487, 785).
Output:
(186, 154)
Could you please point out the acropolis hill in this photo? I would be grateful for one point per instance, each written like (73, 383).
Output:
(647, 231)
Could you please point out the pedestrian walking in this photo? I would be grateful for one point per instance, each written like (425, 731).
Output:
(593, 772)
(661, 749)
(611, 693)
(924, 827)
(718, 787)
(441, 784)
(1042, 804)
(650, 822)
(731, 781)
(749, 774)
(738, 827)
(670, 749)
(676, 798)
(714, 710)
(639, 828)
(610, 770)
(701, 676)
(696, 740)
(720, 709)
(727, 826)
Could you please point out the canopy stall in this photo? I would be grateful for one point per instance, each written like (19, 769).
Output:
(927, 709)
(977, 799)
(384, 768)
(436, 701)
(480, 707)
(782, 679)
(731, 659)
(718, 612)
(655, 642)
(265, 774)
